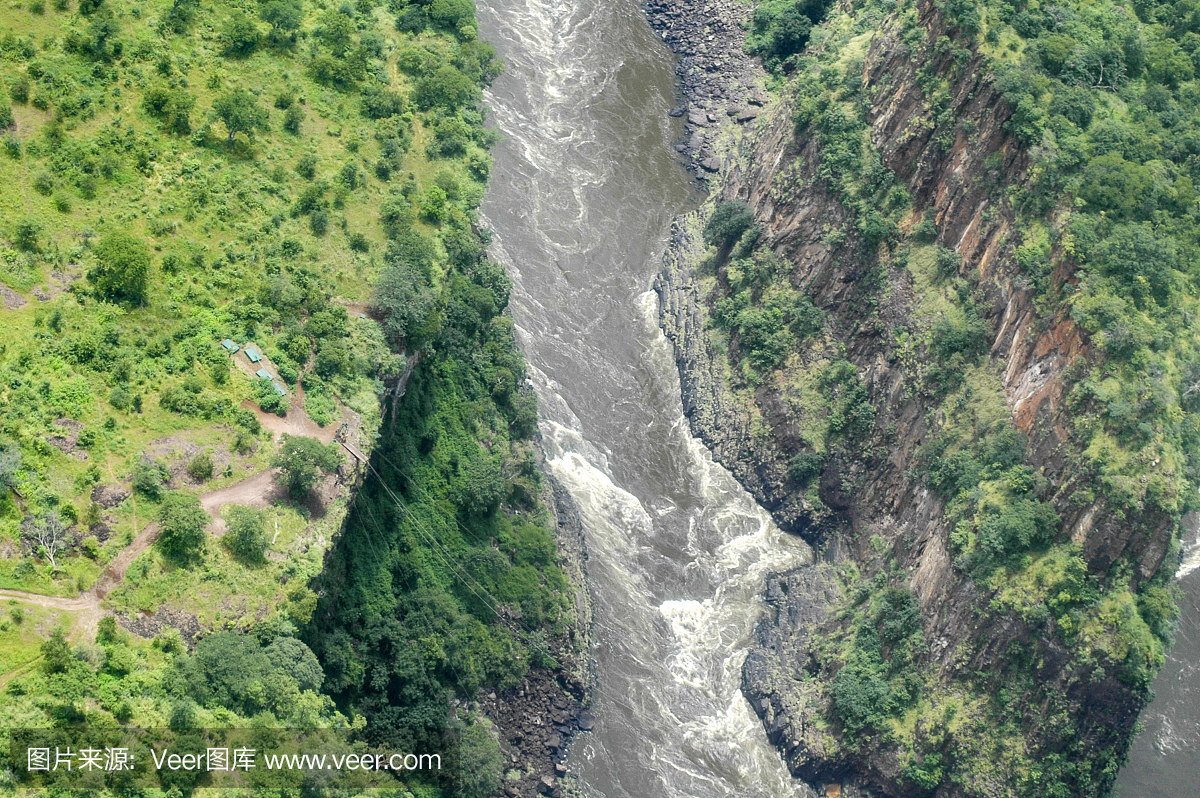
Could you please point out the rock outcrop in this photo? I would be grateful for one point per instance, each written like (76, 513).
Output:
(875, 505)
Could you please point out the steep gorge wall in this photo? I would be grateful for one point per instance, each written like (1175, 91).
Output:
(880, 504)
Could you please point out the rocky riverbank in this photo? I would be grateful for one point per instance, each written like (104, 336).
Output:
(723, 95)
(877, 514)
(718, 82)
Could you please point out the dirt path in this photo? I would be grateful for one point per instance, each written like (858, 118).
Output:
(256, 491)
(260, 490)
(296, 421)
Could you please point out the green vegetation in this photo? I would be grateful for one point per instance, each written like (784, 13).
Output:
(1110, 89)
(246, 532)
(1106, 93)
(248, 171)
(877, 682)
(767, 320)
(451, 542)
(122, 268)
(301, 461)
(728, 222)
(182, 520)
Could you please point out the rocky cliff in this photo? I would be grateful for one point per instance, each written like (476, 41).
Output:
(1005, 693)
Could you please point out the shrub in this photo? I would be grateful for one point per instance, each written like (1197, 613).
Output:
(452, 13)
(306, 167)
(56, 653)
(19, 89)
(862, 698)
(970, 336)
(727, 223)
(446, 88)
(267, 398)
(200, 467)
(292, 119)
(182, 520)
(171, 107)
(781, 30)
(26, 235)
(246, 535)
(120, 397)
(412, 19)
(122, 269)
(150, 477)
(380, 103)
(349, 176)
(482, 486)
(318, 222)
(43, 184)
(806, 465)
(240, 35)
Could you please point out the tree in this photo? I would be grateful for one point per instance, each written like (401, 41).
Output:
(246, 534)
(452, 13)
(336, 31)
(482, 485)
(182, 520)
(292, 118)
(240, 35)
(122, 269)
(285, 18)
(478, 760)
(56, 653)
(446, 88)
(240, 112)
(171, 107)
(45, 535)
(180, 16)
(27, 234)
(727, 224)
(301, 461)
(404, 298)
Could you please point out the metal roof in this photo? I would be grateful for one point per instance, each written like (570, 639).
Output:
(253, 354)
(263, 374)
(279, 389)
(230, 345)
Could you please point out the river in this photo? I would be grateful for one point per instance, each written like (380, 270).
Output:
(1163, 761)
(583, 190)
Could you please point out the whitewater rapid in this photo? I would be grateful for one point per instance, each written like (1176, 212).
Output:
(582, 193)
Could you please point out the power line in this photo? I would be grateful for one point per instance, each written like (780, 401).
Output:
(463, 575)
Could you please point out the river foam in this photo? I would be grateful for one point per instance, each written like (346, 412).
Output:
(581, 198)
